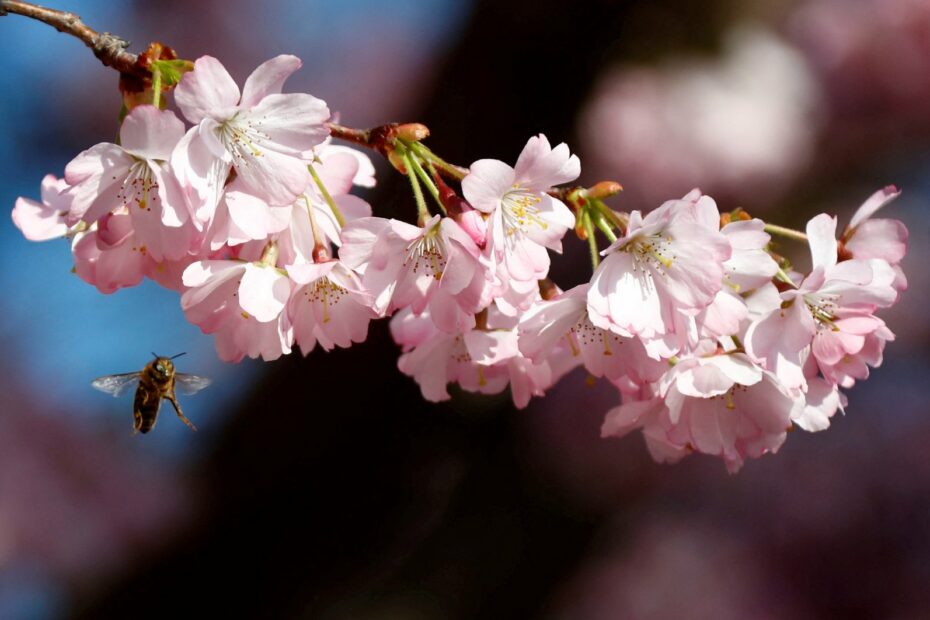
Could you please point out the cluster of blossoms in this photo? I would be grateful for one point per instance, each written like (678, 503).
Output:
(714, 344)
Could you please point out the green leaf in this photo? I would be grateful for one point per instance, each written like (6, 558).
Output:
(171, 70)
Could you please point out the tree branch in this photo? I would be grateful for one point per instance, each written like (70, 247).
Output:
(108, 48)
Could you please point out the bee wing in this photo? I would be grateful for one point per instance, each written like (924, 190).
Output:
(116, 384)
(189, 384)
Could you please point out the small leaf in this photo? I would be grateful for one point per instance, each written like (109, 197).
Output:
(171, 70)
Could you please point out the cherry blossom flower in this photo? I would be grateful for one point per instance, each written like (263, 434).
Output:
(819, 403)
(242, 303)
(832, 306)
(524, 220)
(749, 266)
(339, 169)
(480, 360)
(328, 306)
(135, 176)
(433, 267)
(242, 216)
(672, 260)
(564, 321)
(844, 356)
(865, 237)
(497, 352)
(110, 256)
(260, 133)
(722, 405)
(434, 358)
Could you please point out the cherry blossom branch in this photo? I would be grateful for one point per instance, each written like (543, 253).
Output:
(109, 48)
(470, 295)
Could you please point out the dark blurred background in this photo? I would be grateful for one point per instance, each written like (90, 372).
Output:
(326, 487)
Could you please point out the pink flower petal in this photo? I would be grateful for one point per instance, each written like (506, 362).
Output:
(489, 348)
(276, 178)
(885, 239)
(703, 381)
(197, 167)
(263, 292)
(206, 92)
(199, 273)
(487, 181)
(821, 235)
(621, 420)
(249, 213)
(291, 124)
(304, 273)
(268, 78)
(872, 204)
(150, 133)
(540, 167)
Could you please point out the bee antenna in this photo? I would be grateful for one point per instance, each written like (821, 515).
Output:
(155, 355)
(178, 355)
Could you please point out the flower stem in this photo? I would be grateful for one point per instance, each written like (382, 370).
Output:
(156, 87)
(598, 219)
(422, 210)
(609, 214)
(320, 252)
(326, 196)
(428, 182)
(456, 172)
(592, 241)
(797, 235)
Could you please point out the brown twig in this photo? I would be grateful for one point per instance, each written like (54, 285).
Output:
(362, 137)
(109, 48)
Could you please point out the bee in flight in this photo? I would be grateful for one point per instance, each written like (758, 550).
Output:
(156, 381)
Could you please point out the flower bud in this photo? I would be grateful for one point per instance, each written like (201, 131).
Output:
(412, 132)
(604, 189)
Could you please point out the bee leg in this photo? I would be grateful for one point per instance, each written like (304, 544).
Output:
(177, 409)
(136, 421)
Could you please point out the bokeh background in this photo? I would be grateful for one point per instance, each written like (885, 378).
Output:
(325, 487)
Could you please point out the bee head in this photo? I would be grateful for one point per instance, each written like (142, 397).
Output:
(164, 367)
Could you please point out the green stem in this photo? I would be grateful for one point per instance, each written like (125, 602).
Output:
(598, 219)
(326, 196)
(608, 213)
(452, 170)
(422, 210)
(156, 87)
(428, 182)
(592, 242)
(797, 235)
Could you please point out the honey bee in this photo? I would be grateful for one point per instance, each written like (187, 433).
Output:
(156, 381)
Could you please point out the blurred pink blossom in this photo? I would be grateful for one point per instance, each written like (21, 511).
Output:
(742, 126)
